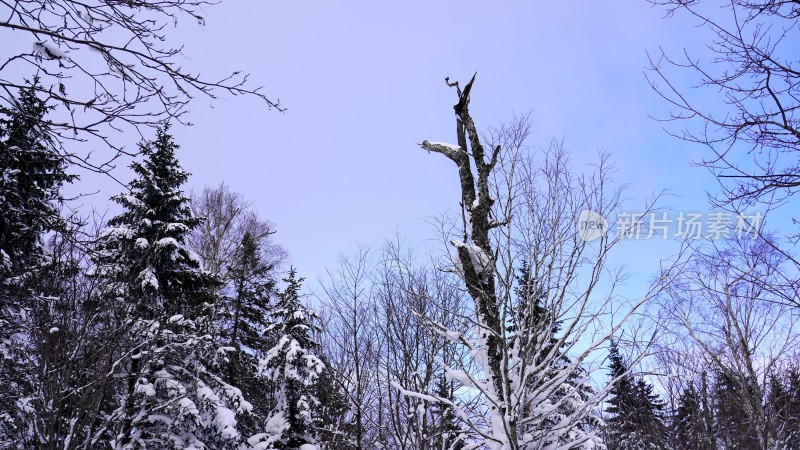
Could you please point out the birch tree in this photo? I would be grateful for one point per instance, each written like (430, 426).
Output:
(354, 344)
(727, 328)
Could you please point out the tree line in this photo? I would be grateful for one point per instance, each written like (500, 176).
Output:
(166, 326)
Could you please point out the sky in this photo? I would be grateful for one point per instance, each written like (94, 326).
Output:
(363, 84)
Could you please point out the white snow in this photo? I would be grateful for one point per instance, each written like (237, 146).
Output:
(453, 336)
(116, 233)
(5, 259)
(225, 421)
(419, 395)
(133, 201)
(86, 17)
(48, 50)
(177, 318)
(146, 388)
(481, 262)
(148, 277)
(167, 242)
(445, 144)
(177, 227)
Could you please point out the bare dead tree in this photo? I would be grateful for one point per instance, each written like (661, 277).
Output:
(107, 66)
(518, 206)
(477, 201)
(227, 217)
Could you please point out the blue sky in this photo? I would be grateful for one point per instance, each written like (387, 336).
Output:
(364, 84)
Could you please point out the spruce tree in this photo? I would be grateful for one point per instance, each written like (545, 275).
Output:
(242, 319)
(32, 173)
(333, 421)
(447, 433)
(690, 429)
(172, 393)
(142, 252)
(634, 421)
(293, 366)
(31, 176)
(537, 328)
(734, 427)
(783, 402)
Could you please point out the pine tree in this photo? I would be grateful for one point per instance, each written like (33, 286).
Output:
(537, 328)
(142, 252)
(689, 425)
(31, 176)
(242, 319)
(735, 430)
(635, 411)
(293, 366)
(783, 401)
(447, 433)
(334, 423)
(172, 392)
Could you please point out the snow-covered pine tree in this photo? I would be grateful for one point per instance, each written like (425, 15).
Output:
(549, 404)
(634, 421)
(242, 319)
(171, 393)
(690, 428)
(334, 421)
(293, 366)
(31, 175)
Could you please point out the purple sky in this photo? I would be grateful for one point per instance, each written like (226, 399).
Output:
(364, 84)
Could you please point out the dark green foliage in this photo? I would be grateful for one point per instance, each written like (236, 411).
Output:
(691, 425)
(293, 366)
(635, 412)
(31, 176)
(333, 422)
(447, 433)
(735, 428)
(242, 321)
(143, 252)
(536, 332)
(171, 385)
(783, 403)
